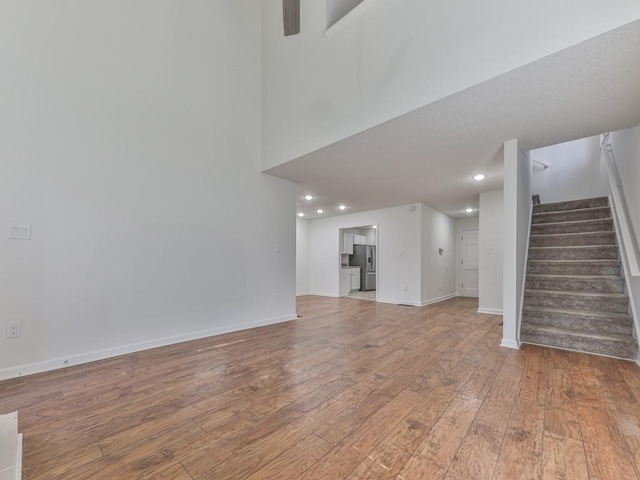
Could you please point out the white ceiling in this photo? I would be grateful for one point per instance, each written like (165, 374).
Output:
(429, 155)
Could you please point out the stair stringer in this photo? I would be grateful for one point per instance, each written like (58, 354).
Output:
(524, 279)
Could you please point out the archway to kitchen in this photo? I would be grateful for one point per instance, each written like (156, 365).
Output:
(358, 259)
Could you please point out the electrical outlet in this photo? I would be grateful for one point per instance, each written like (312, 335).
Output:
(277, 298)
(20, 232)
(14, 329)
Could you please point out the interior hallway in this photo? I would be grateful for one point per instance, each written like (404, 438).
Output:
(353, 389)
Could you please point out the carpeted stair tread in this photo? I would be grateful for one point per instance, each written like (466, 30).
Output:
(572, 239)
(596, 301)
(585, 313)
(569, 215)
(579, 320)
(572, 205)
(574, 277)
(570, 264)
(574, 226)
(574, 252)
(584, 283)
(602, 261)
(590, 335)
(611, 344)
(579, 294)
(569, 247)
(577, 267)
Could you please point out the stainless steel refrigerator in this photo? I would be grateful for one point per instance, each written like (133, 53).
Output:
(364, 256)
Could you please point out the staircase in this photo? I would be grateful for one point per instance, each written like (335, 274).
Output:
(575, 294)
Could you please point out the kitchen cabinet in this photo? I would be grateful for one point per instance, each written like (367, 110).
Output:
(345, 281)
(349, 280)
(355, 279)
(359, 240)
(347, 244)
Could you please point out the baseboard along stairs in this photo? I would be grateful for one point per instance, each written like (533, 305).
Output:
(575, 294)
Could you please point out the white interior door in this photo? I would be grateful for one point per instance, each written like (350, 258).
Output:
(469, 266)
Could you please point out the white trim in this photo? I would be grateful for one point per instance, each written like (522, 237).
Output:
(300, 294)
(395, 301)
(439, 299)
(348, 18)
(19, 457)
(524, 280)
(490, 311)
(324, 294)
(62, 362)
(508, 343)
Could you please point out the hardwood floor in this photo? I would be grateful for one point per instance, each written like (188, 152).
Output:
(354, 389)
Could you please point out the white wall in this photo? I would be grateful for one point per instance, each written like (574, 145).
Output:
(438, 271)
(462, 224)
(517, 221)
(398, 56)
(575, 171)
(626, 150)
(490, 242)
(303, 258)
(131, 143)
(398, 252)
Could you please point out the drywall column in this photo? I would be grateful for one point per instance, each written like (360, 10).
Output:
(303, 256)
(491, 219)
(517, 215)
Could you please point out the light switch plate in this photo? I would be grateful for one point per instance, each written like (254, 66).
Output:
(20, 232)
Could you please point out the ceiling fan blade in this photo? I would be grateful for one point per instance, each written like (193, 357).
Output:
(291, 16)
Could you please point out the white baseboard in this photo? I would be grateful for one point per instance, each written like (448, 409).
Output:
(395, 301)
(507, 343)
(439, 299)
(490, 311)
(301, 294)
(324, 294)
(62, 362)
(416, 304)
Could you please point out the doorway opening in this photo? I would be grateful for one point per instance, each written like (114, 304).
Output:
(358, 262)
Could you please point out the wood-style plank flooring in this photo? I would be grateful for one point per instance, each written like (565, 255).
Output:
(352, 390)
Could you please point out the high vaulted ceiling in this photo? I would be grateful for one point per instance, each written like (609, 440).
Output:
(429, 155)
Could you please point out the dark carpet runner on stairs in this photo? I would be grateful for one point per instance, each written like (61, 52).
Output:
(575, 294)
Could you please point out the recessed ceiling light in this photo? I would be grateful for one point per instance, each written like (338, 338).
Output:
(320, 210)
(469, 210)
(308, 197)
(301, 214)
(479, 177)
(342, 207)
